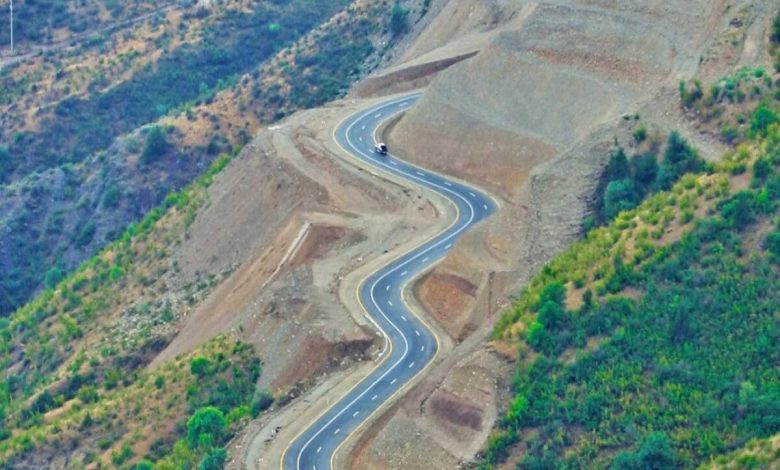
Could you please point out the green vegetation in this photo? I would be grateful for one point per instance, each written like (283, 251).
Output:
(36, 20)
(156, 145)
(54, 229)
(203, 415)
(625, 183)
(642, 347)
(399, 19)
(37, 341)
(232, 46)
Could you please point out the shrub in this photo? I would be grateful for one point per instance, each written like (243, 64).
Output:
(762, 118)
(399, 21)
(640, 134)
(199, 366)
(122, 456)
(206, 428)
(214, 460)
(144, 465)
(156, 145)
(53, 277)
(262, 402)
(619, 196)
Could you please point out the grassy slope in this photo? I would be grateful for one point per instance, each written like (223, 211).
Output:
(209, 112)
(674, 358)
(81, 347)
(97, 328)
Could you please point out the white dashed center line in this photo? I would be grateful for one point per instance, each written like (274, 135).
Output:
(374, 397)
(389, 303)
(472, 194)
(387, 287)
(417, 332)
(337, 431)
(420, 173)
(447, 183)
(448, 246)
(393, 381)
(403, 317)
(319, 449)
(355, 414)
(404, 273)
(422, 348)
(411, 365)
(425, 259)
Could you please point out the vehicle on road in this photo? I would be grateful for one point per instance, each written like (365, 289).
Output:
(381, 148)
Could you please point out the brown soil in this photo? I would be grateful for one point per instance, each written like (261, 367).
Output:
(531, 117)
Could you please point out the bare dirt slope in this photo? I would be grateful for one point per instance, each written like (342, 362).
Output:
(289, 221)
(524, 99)
(531, 117)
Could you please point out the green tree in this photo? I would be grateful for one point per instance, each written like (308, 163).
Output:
(53, 277)
(399, 19)
(762, 118)
(679, 158)
(644, 168)
(199, 366)
(618, 167)
(214, 460)
(619, 196)
(739, 210)
(144, 465)
(206, 427)
(156, 145)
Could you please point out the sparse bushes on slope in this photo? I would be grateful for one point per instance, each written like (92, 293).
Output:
(669, 357)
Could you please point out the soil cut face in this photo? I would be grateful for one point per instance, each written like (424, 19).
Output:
(532, 118)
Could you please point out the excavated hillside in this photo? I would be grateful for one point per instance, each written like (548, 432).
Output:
(537, 96)
(522, 98)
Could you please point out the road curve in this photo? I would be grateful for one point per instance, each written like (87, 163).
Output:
(410, 345)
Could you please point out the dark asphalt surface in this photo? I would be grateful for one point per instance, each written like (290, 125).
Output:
(413, 345)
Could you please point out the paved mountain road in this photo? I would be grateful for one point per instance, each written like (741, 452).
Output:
(410, 344)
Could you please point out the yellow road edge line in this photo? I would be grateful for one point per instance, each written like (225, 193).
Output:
(414, 378)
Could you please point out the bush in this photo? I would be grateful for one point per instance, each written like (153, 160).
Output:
(206, 428)
(399, 21)
(762, 118)
(199, 366)
(53, 277)
(640, 134)
(214, 460)
(262, 402)
(156, 145)
(619, 196)
(144, 465)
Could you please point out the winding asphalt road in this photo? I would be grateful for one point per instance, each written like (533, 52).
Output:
(410, 345)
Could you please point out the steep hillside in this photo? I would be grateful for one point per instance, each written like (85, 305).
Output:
(75, 162)
(534, 116)
(652, 342)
